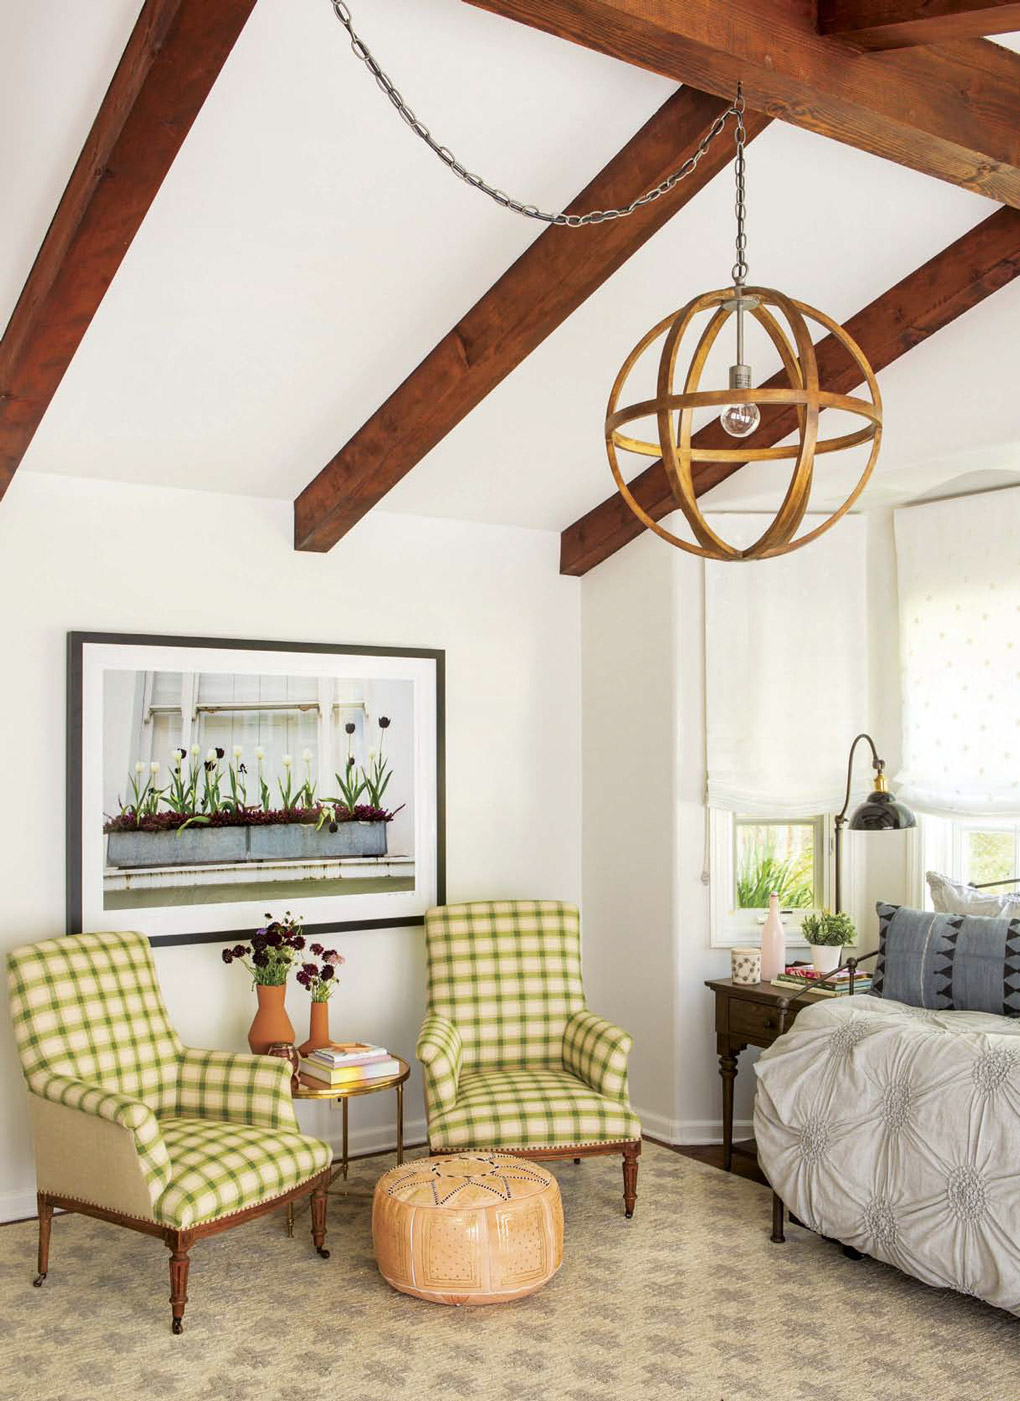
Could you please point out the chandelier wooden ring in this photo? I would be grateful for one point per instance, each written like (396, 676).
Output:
(803, 393)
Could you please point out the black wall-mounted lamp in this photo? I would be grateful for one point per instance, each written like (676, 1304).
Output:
(880, 811)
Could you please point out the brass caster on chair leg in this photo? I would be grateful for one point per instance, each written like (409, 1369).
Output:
(321, 1250)
(177, 1326)
(39, 1279)
(629, 1215)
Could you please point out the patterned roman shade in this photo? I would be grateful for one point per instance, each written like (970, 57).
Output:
(958, 572)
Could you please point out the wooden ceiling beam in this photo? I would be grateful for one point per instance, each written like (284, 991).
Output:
(174, 55)
(559, 271)
(897, 24)
(962, 275)
(951, 111)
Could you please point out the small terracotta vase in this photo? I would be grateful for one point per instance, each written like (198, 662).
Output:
(318, 1029)
(271, 1021)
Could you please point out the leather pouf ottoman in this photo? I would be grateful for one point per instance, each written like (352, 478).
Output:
(473, 1228)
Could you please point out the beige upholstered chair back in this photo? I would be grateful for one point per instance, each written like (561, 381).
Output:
(507, 973)
(89, 1007)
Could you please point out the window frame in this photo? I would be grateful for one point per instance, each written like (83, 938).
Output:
(942, 848)
(732, 927)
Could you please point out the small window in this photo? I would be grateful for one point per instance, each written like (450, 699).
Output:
(989, 855)
(777, 855)
(751, 857)
(970, 850)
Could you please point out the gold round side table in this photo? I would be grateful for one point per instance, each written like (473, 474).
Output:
(308, 1088)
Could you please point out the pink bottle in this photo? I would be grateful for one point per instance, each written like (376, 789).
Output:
(773, 942)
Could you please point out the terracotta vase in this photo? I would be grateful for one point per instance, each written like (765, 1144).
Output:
(318, 1029)
(271, 1021)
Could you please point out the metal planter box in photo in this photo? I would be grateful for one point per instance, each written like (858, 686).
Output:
(196, 846)
(290, 841)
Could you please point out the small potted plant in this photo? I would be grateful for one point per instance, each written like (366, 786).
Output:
(269, 958)
(828, 934)
(320, 980)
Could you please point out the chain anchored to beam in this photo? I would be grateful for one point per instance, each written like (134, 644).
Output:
(530, 211)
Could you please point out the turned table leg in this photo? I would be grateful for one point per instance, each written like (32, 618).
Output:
(728, 1071)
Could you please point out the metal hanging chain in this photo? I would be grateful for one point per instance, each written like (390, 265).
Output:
(530, 211)
(739, 273)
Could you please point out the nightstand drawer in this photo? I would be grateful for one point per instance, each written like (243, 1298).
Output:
(756, 1021)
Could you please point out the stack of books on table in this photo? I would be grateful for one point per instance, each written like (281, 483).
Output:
(798, 976)
(342, 1064)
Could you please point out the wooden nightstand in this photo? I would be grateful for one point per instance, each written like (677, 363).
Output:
(746, 1014)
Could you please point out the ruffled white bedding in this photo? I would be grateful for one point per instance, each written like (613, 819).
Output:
(897, 1130)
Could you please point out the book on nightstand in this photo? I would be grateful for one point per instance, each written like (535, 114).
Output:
(338, 1053)
(799, 976)
(345, 1075)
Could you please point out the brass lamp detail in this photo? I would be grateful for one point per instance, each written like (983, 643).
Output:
(678, 396)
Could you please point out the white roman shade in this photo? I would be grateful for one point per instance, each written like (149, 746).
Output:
(958, 565)
(786, 661)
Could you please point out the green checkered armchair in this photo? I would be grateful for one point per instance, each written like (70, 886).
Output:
(512, 1057)
(133, 1126)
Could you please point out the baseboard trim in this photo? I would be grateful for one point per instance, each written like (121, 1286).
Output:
(363, 1143)
(690, 1132)
(18, 1206)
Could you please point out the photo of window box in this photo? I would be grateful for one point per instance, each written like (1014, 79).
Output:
(209, 779)
(303, 841)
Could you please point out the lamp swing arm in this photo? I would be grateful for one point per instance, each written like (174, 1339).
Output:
(570, 221)
(877, 764)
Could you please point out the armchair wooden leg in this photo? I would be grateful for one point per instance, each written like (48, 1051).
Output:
(319, 1203)
(45, 1221)
(630, 1167)
(179, 1264)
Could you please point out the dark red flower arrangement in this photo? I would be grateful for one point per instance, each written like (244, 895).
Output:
(320, 978)
(273, 950)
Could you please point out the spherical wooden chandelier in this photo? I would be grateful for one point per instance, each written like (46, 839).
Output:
(796, 389)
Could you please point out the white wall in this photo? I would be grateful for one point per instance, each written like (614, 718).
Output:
(97, 556)
(646, 905)
(629, 724)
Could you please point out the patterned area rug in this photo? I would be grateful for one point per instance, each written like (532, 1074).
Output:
(688, 1300)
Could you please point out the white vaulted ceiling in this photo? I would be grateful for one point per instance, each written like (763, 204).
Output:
(305, 252)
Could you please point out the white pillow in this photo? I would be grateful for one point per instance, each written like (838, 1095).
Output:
(951, 898)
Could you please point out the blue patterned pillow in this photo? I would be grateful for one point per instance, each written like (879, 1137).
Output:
(969, 963)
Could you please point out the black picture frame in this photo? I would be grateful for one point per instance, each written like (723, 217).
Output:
(77, 641)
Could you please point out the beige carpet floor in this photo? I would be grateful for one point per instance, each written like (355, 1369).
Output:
(688, 1300)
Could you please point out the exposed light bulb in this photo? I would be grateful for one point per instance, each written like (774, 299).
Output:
(740, 419)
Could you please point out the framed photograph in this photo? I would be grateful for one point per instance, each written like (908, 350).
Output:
(210, 780)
